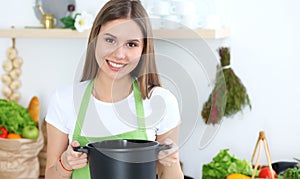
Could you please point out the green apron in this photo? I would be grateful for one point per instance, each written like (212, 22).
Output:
(140, 133)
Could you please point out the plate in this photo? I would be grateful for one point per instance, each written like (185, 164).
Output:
(58, 8)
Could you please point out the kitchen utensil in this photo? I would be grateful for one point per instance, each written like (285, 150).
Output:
(128, 159)
(48, 21)
(40, 9)
(59, 8)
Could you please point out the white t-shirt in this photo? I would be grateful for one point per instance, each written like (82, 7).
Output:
(102, 119)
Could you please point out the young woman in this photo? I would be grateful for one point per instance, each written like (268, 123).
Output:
(119, 69)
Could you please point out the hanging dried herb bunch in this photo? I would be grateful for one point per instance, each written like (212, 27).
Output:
(229, 95)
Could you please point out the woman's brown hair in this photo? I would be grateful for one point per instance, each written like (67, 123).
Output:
(146, 70)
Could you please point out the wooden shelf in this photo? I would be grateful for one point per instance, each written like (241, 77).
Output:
(192, 34)
(42, 33)
(68, 33)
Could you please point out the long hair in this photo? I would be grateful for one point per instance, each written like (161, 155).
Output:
(146, 70)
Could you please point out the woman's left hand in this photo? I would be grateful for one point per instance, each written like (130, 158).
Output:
(170, 156)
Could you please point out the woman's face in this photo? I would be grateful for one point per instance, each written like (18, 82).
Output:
(119, 48)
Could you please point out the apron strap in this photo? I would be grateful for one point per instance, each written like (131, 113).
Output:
(138, 105)
(83, 108)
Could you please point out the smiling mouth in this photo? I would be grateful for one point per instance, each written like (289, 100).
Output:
(114, 65)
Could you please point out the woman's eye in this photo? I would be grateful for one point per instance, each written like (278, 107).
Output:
(110, 40)
(131, 44)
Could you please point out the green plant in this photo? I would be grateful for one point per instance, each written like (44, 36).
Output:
(229, 95)
(14, 117)
(69, 22)
(224, 164)
(80, 22)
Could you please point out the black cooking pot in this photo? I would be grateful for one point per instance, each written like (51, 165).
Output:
(126, 159)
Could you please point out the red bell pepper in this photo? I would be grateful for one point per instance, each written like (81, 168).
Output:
(3, 132)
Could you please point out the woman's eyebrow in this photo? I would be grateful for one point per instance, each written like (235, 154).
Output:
(129, 40)
(109, 34)
(134, 40)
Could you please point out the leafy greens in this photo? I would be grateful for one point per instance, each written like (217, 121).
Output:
(14, 116)
(224, 164)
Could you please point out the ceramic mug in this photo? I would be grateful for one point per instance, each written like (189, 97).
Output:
(48, 21)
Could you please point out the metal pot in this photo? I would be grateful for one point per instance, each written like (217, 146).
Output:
(128, 159)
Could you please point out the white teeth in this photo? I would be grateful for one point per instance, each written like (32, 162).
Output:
(115, 65)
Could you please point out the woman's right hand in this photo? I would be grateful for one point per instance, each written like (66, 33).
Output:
(72, 160)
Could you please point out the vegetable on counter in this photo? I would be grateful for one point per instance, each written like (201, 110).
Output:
(292, 173)
(3, 132)
(237, 176)
(14, 117)
(266, 173)
(13, 136)
(225, 164)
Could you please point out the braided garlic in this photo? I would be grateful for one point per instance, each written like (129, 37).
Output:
(12, 67)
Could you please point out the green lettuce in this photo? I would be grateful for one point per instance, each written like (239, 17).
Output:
(224, 164)
(14, 116)
(291, 173)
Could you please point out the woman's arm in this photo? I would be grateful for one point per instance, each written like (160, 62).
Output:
(58, 148)
(168, 166)
(57, 144)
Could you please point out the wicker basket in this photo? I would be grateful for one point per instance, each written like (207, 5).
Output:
(261, 142)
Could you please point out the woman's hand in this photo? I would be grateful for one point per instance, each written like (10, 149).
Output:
(170, 156)
(72, 160)
(168, 165)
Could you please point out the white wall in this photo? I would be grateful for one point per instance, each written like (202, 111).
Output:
(265, 56)
(264, 53)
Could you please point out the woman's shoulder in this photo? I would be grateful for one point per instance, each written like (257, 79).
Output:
(68, 90)
(160, 90)
(163, 92)
(70, 87)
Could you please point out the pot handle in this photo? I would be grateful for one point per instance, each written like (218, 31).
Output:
(81, 149)
(163, 147)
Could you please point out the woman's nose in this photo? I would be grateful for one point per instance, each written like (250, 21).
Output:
(120, 52)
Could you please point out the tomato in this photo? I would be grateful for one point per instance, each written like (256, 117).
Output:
(3, 132)
(266, 173)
